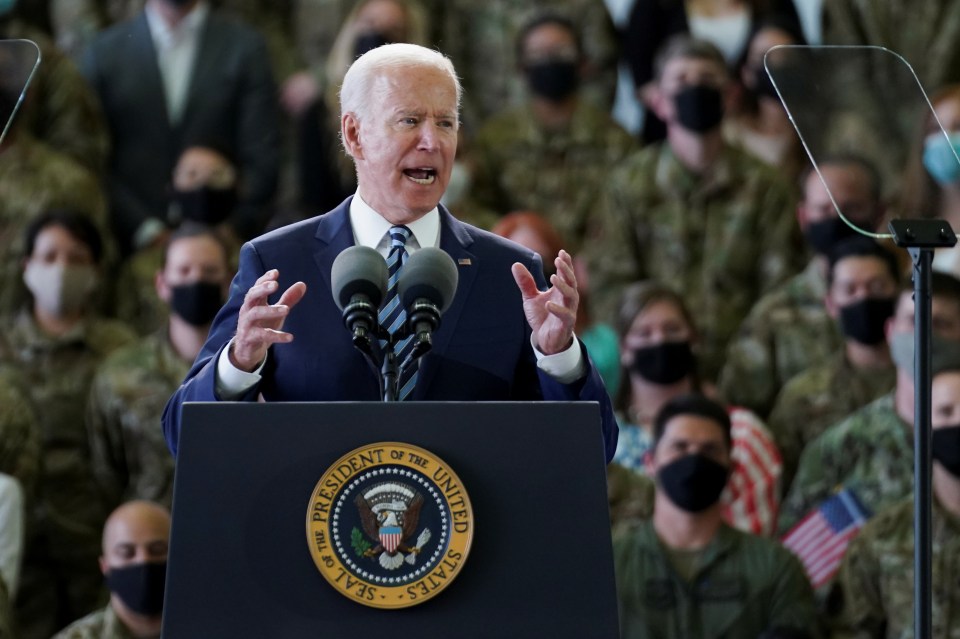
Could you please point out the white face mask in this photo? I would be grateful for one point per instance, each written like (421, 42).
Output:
(59, 289)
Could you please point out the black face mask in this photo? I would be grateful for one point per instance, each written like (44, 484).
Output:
(196, 303)
(206, 205)
(664, 363)
(140, 587)
(368, 42)
(863, 321)
(822, 236)
(693, 482)
(554, 81)
(946, 448)
(699, 107)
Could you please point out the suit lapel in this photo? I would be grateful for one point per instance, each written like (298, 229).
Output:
(336, 235)
(455, 239)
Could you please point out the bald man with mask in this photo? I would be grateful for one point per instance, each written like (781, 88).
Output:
(134, 565)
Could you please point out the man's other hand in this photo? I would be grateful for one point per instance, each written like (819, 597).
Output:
(551, 313)
(259, 323)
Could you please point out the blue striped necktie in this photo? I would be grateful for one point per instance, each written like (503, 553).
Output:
(393, 317)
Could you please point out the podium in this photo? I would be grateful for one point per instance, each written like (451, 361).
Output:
(540, 563)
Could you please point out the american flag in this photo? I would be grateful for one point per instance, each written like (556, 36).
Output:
(821, 538)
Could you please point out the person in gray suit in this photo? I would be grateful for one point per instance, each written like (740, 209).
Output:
(175, 75)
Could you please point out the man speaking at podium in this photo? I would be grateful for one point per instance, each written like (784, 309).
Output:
(281, 336)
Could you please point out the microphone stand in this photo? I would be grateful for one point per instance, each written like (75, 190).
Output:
(390, 370)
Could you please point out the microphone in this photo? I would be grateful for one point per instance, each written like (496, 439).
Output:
(359, 279)
(426, 287)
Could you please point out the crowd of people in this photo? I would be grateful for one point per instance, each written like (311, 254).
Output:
(757, 348)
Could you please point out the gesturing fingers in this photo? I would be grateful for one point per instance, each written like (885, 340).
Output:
(263, 288)
(259, 323)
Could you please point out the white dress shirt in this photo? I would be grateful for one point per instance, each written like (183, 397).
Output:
(372, 229)
(176, 48)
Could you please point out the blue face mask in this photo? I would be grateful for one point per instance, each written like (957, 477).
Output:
(939, 159)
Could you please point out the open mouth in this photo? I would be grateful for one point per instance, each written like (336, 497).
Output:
(424, 176)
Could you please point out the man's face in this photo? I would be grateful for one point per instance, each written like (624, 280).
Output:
(856, 278)
(139, 535)
(385, 17)
(680, 73)
(850, 186)
(550, 42)
(405, 145)
(945, 317)
(200, 166)
(945, 399)
(191, 260)
(688, 435)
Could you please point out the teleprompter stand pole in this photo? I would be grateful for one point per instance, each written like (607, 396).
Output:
(920, 238)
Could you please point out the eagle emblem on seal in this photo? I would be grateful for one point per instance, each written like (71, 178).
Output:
(389, 515)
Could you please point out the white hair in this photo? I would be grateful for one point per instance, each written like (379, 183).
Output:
(358, 82)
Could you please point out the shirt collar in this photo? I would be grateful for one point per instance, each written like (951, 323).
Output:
(165, 35)
(369, 227)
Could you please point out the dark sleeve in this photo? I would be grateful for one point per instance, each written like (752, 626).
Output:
(200, 383)
(589, 388)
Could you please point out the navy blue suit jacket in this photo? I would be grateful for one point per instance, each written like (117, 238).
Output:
(481, 351)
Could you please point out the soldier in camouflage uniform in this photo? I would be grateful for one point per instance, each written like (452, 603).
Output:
(135, 542)
(692, 212)
(630, 495)
(56, 344)
(19, 431)
(19, 460)
(927, 34)
(685, 573)
(871, 452)
(872, 597)
(551, 155)
(60, 109)
(33, 179)
(204, 191)
(862, 285)
(131, 388)
(789, 330)
(480, 38)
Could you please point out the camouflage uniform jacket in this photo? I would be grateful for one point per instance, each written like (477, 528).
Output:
(57, 372)
(102, 624)
(630, 495)
(745, 585)
(33, 179)
(819, 397)
(874, 589)
(19, 433)
(786, 332)
(62, 110)
(721, 239)
(870, 452)
(517, 165)
(129, 392)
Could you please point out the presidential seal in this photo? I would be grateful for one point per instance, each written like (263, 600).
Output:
(389, 525)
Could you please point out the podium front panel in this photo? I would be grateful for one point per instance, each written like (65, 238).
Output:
(540, 564)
